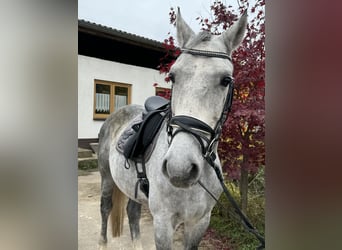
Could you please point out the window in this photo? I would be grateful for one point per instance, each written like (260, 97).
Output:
(163, 92)
(108, 97)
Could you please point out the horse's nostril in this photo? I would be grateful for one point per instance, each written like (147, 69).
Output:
(164, 169)
(180, 175)
(194, 171)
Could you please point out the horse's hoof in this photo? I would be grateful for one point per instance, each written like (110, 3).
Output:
(102, 241)
(137, 245)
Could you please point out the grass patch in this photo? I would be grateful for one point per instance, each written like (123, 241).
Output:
(227, 224)
(89, 164)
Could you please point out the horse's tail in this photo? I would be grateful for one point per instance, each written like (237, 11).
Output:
(118, 211)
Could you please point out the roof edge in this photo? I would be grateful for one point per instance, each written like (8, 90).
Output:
(112, 33)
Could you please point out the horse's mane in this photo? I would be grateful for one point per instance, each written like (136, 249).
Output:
(200, 37)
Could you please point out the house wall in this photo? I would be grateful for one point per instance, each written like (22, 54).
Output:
(89, 69)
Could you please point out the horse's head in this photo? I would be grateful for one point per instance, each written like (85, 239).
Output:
(201, 80)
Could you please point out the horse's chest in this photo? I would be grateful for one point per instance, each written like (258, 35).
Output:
(189, 213)
(188, 206)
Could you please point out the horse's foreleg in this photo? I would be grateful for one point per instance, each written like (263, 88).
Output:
(193, 233)
(163, 233)
(107, 184)
(134, 213)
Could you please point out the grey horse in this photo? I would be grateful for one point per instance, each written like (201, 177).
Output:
(175, 168)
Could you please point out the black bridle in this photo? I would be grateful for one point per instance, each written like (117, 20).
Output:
(199, 129)
(208, 138)
(197, 52)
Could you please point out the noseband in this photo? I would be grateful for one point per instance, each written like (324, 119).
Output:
(197, 128)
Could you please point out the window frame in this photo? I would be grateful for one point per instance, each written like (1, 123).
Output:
(112, 85)
(161, 89)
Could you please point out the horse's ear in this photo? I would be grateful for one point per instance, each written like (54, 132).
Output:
(235, 34)
(184, 32)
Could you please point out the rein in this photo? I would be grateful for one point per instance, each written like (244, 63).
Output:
(204, 133)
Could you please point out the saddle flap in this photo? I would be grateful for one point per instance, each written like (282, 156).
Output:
(138, 143)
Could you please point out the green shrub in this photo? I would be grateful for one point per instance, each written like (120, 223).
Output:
(228, 225)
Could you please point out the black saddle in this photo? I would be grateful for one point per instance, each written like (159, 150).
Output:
(156, 103)
(139, 144)
(156, 108)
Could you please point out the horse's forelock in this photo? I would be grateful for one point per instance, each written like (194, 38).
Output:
(200, 37)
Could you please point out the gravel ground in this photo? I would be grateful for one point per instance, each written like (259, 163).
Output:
(89, 221)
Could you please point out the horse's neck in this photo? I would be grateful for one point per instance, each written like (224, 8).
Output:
(163, 138)
(162, 144)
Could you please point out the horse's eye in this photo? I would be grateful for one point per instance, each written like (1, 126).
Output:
(171, 77)
(227, 80)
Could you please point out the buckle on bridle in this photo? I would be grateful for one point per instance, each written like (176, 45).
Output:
(210, 156)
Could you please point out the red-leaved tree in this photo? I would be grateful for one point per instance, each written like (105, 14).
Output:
(241, 147)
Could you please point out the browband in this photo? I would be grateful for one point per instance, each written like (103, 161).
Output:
(197, 52)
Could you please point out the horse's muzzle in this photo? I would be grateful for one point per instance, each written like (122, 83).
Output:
(183, 177)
